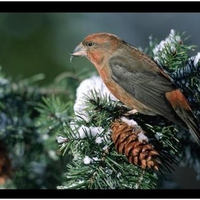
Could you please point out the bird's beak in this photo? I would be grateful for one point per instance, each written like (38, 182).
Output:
(78, 51)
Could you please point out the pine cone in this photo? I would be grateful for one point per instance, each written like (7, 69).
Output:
(131, 141)
(5, 164)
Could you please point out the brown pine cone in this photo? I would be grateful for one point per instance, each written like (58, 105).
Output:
(5, 164)
(130, 140)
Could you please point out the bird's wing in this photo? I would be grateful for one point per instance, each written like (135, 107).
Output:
(147, 86)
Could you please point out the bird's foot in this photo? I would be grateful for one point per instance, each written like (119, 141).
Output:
(131, 112)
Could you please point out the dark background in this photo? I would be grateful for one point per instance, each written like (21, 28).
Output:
(32, 43)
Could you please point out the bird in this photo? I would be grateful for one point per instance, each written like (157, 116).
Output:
(136, 80)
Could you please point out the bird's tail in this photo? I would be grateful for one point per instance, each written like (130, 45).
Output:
(183, 110)
(192, 124)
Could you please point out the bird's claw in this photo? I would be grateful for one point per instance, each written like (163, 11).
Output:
(131, 112)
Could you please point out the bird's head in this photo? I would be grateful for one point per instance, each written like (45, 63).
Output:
(97, 46)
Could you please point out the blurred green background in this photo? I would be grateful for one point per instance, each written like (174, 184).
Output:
(32, 43)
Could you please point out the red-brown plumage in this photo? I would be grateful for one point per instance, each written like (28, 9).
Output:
(136, 80)
(177, 99)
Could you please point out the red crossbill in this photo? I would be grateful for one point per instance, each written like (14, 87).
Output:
(136, 80)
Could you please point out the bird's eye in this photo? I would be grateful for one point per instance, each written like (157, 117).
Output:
(89, 44)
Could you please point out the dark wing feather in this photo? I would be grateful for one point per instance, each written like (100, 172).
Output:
(145, 85)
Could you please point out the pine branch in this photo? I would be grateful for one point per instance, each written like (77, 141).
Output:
(31, 149)
(172, 53)
(92, 134)
(186, 75)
